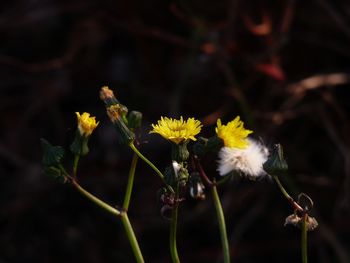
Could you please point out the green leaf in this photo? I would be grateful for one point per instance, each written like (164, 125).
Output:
(55, 173)
(52, 155)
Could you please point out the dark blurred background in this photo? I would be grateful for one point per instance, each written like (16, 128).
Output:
(283, 66)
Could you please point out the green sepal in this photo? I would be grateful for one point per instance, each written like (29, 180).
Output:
(125, 135)
(182, 176)
(52, 155)
(179, 152)
(80, 145)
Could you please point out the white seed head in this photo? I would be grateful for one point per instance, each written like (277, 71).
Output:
(248, 161)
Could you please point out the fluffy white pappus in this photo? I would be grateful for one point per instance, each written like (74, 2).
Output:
(248, 161)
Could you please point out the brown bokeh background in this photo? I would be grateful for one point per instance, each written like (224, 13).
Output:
(283, 66)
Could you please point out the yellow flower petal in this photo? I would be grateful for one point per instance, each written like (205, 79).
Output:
(233, 134)
(86, 124)
(177, 131)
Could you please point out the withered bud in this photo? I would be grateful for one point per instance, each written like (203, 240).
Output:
(295, 220)
(276, 165)
(107, 96)
(106, 93)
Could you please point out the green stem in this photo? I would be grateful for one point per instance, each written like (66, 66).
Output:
(130, 183)
(132, 238)
(223, 180)
(173, 229)
(304, 239)
(96, 200)
(286, 195)
(222, 224)
(124, 218)
(132, 146)
(75, 165)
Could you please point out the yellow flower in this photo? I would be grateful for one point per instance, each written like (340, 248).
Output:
(177, 131)
(86, 124)
(233, 134)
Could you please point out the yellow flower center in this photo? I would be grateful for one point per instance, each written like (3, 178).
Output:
(233, 134)
(86, 124)
(177, 131)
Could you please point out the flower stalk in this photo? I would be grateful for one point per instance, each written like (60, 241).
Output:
(130, 183)
(173, 228)
(286, 195)
(132, 238)
(304, 238)
(222, 225)
(75, 165)
(159, 173)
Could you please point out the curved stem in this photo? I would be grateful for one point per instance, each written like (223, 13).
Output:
(286, 195)
(132, 238)
(304, 239)
(130, 182)
(222, 224)
(132, 146)
(173, 229)
(96, 200)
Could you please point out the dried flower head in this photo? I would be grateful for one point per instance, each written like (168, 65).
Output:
(106, 93)
(248, 161)
(295, 220)
(86, 124)
(233, 134)
(177, 131)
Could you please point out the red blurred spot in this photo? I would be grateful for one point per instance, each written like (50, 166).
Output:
(272, 70)
(208, 48)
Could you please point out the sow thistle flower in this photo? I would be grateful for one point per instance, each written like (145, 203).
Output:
(86, 124)
(240, 153)
(234, 135)
(177, 131)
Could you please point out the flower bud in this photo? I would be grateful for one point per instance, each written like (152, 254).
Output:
(199, 148)
(276, 165)
(181, 173)
(80, 145)
(115, 113)
(166, 201)
(86, 124)
(108, 97)
(196, 187)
